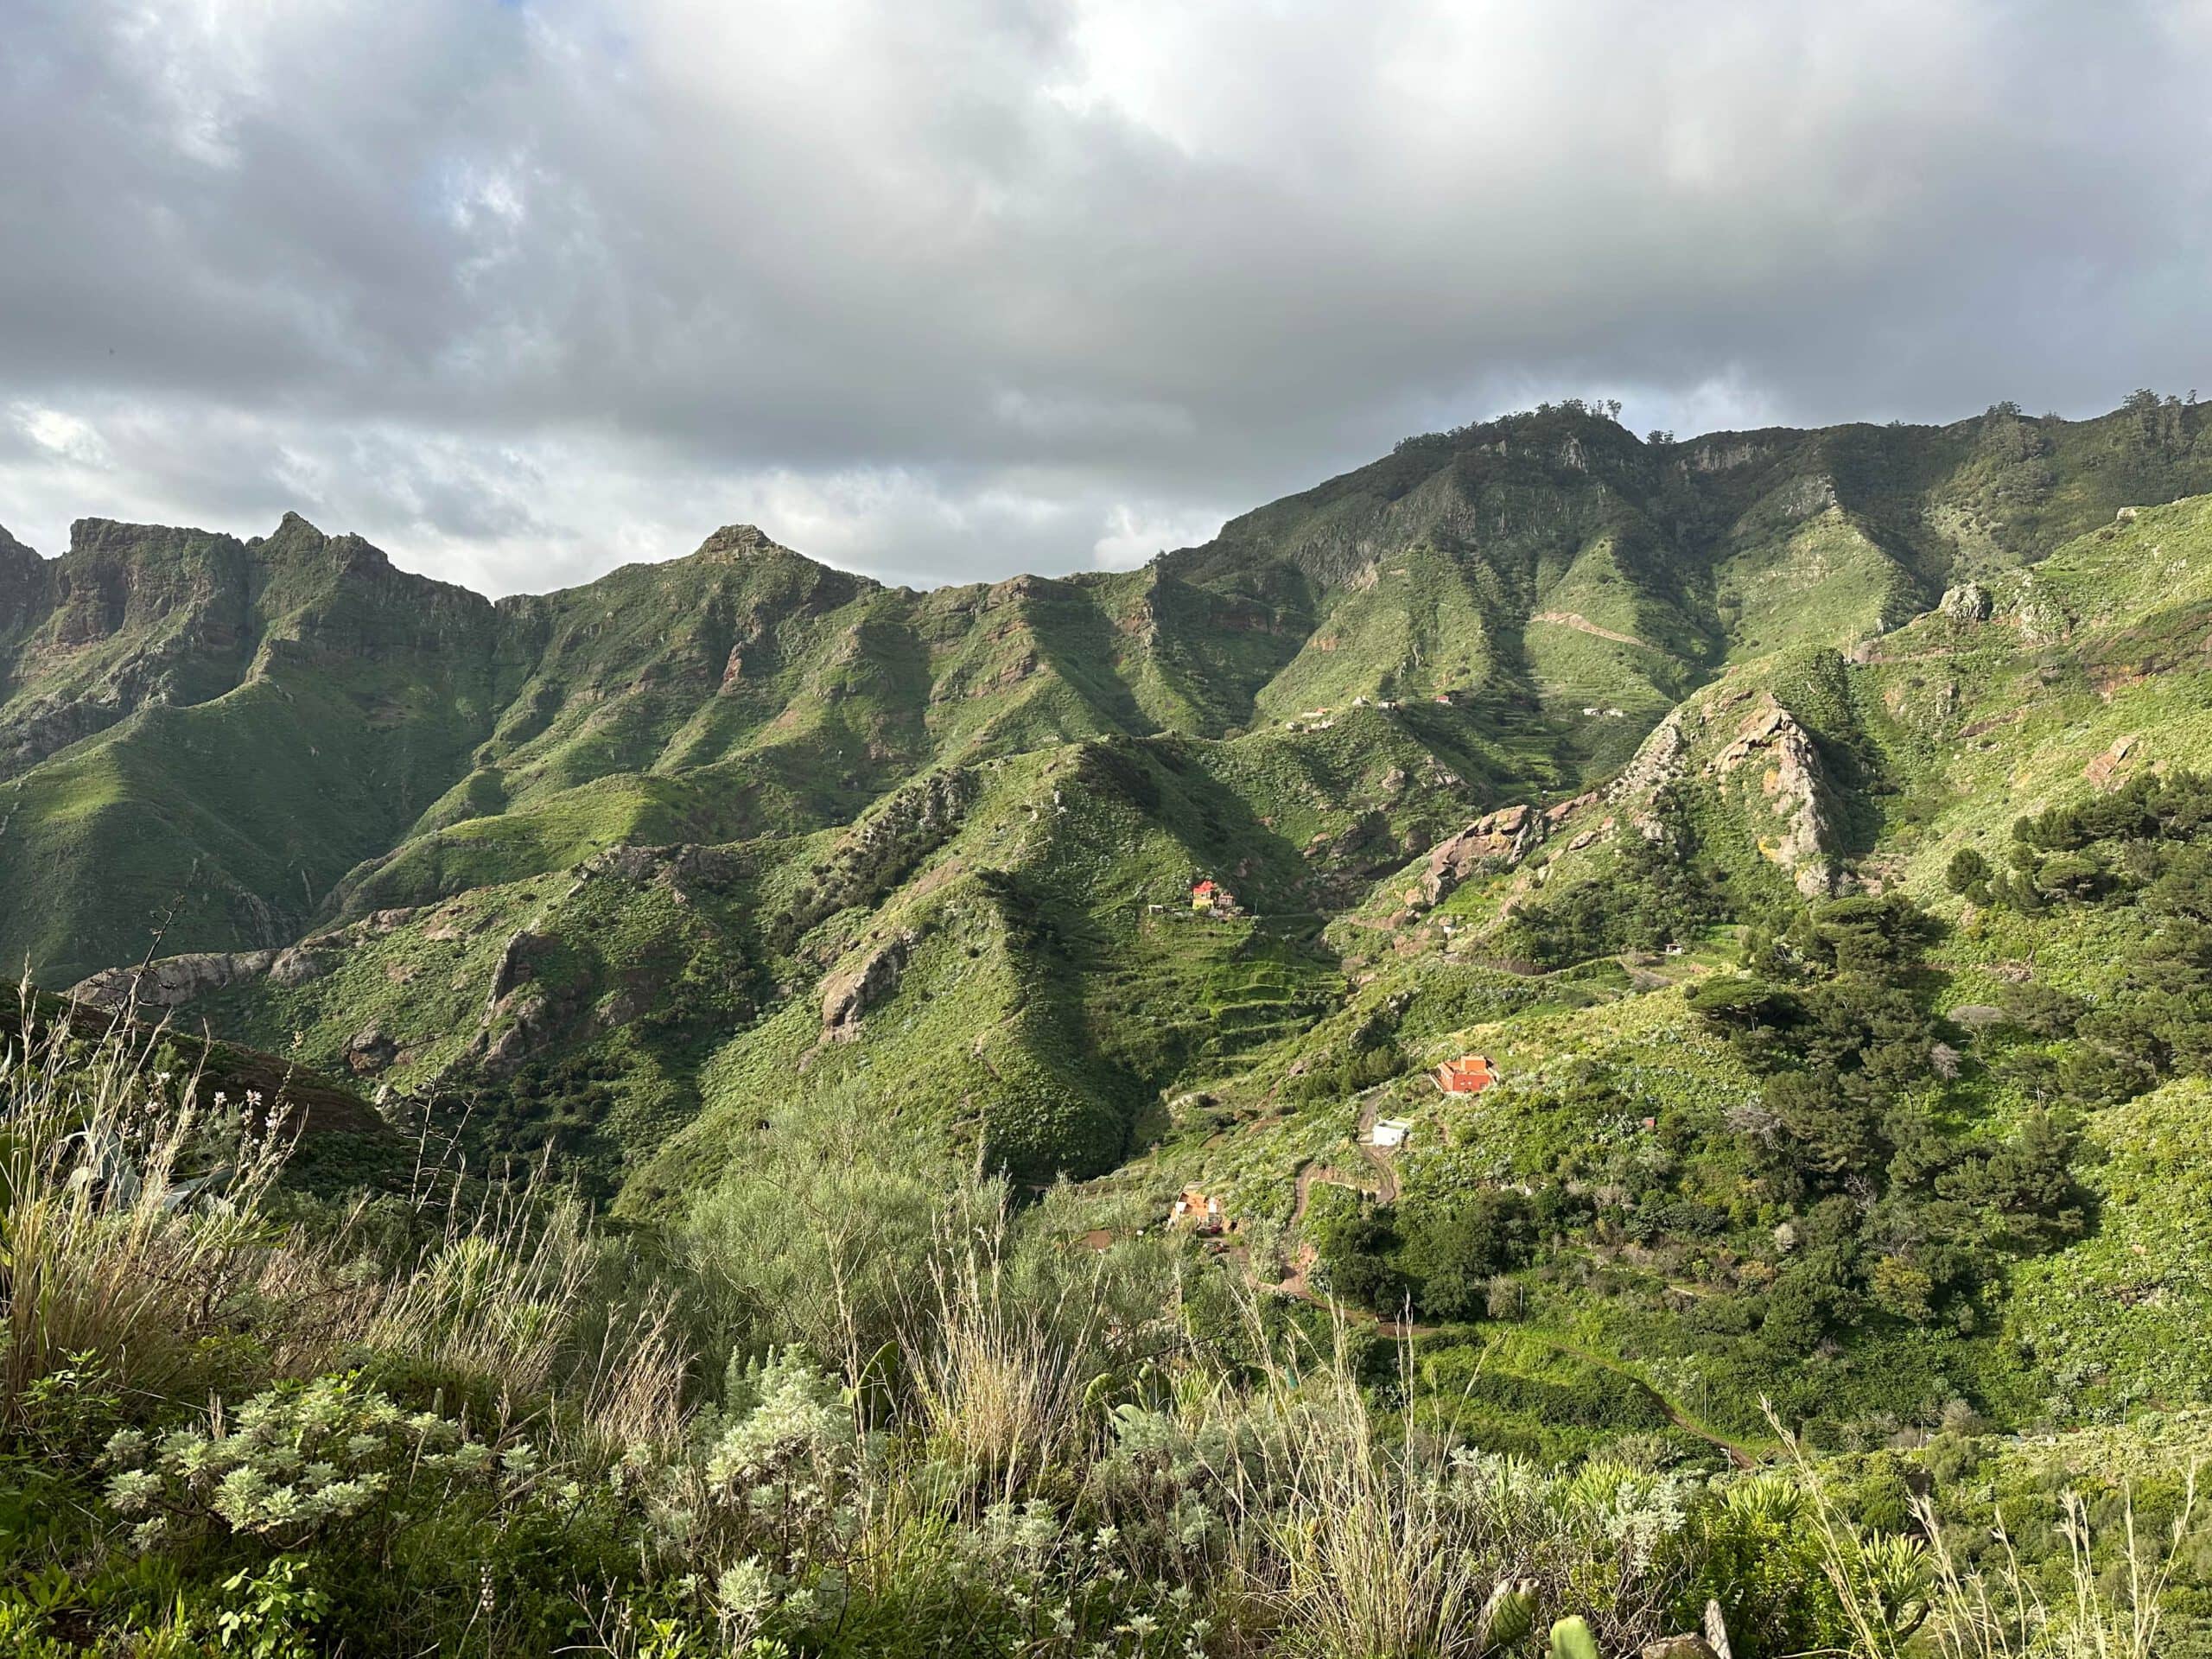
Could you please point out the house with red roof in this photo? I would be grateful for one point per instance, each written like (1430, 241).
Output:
(1469, 1075)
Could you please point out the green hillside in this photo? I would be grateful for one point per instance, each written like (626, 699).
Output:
(1002, 1029)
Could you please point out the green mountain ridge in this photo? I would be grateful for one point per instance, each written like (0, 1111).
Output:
(166, 691)
(619, 862)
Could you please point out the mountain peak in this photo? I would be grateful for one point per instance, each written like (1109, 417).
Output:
(22, 576)
(741, 541)
(294, 531)
(120, 537)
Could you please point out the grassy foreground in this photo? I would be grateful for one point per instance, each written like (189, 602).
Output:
(881, 1413)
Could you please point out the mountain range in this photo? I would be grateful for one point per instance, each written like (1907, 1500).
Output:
(618, 858)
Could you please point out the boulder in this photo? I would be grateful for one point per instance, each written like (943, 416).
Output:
(370, 1051)
(1968, 602)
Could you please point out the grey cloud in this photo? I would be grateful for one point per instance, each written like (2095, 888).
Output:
(976, 285)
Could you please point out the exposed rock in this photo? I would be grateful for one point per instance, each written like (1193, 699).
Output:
(521, 1018)
(627, 863)
(1808, 497)
(1658, 759)
(1021, 587)
(1968, 602)
(1795, 786)
(1719, 457)
(516, 963)
(883, 849)
(309, 960)
(1567, 810)
(370, 1051)
(1502, 838)
(620, 1005)
(849, 994)
(172, 981)
(2104, 771)
(732, 542)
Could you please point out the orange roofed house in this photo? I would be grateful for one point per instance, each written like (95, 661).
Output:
(1468, 1076)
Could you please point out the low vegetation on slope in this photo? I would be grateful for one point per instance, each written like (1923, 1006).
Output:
(862, 1408)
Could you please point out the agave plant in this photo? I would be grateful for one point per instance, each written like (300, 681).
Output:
(1507, 1617)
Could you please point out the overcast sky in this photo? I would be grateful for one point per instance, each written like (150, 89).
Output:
(943, 289)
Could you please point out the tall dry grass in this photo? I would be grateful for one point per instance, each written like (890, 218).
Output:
(1000, 1378)
(1349, 1537)
(138, 1225)
(1348, 1533)
(132, 1209)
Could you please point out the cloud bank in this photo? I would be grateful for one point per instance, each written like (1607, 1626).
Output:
(950, 289)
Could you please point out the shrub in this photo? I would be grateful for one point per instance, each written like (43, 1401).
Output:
(300, 1462)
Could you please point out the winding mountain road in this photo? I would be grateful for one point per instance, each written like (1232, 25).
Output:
(1384, 1191)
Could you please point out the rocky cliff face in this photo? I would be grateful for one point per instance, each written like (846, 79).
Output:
(1746, 744)
(848, 994)
(1498, 840)
(1785, 763)
(22, 586)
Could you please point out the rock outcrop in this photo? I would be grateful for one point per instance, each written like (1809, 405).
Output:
(848, 994)
(1500, 838)
(2104, 771)
(370, 1051)
(171, 982)
(1794, 784)
(1659, 759)
(1968, 602)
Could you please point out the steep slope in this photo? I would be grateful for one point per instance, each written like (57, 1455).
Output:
(1560, 584)
(205, 735)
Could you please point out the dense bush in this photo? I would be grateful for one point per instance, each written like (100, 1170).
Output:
(1894, 1210)
(2144, 850)
(1662, 891)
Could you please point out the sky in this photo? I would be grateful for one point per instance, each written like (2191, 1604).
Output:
(945, 289)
